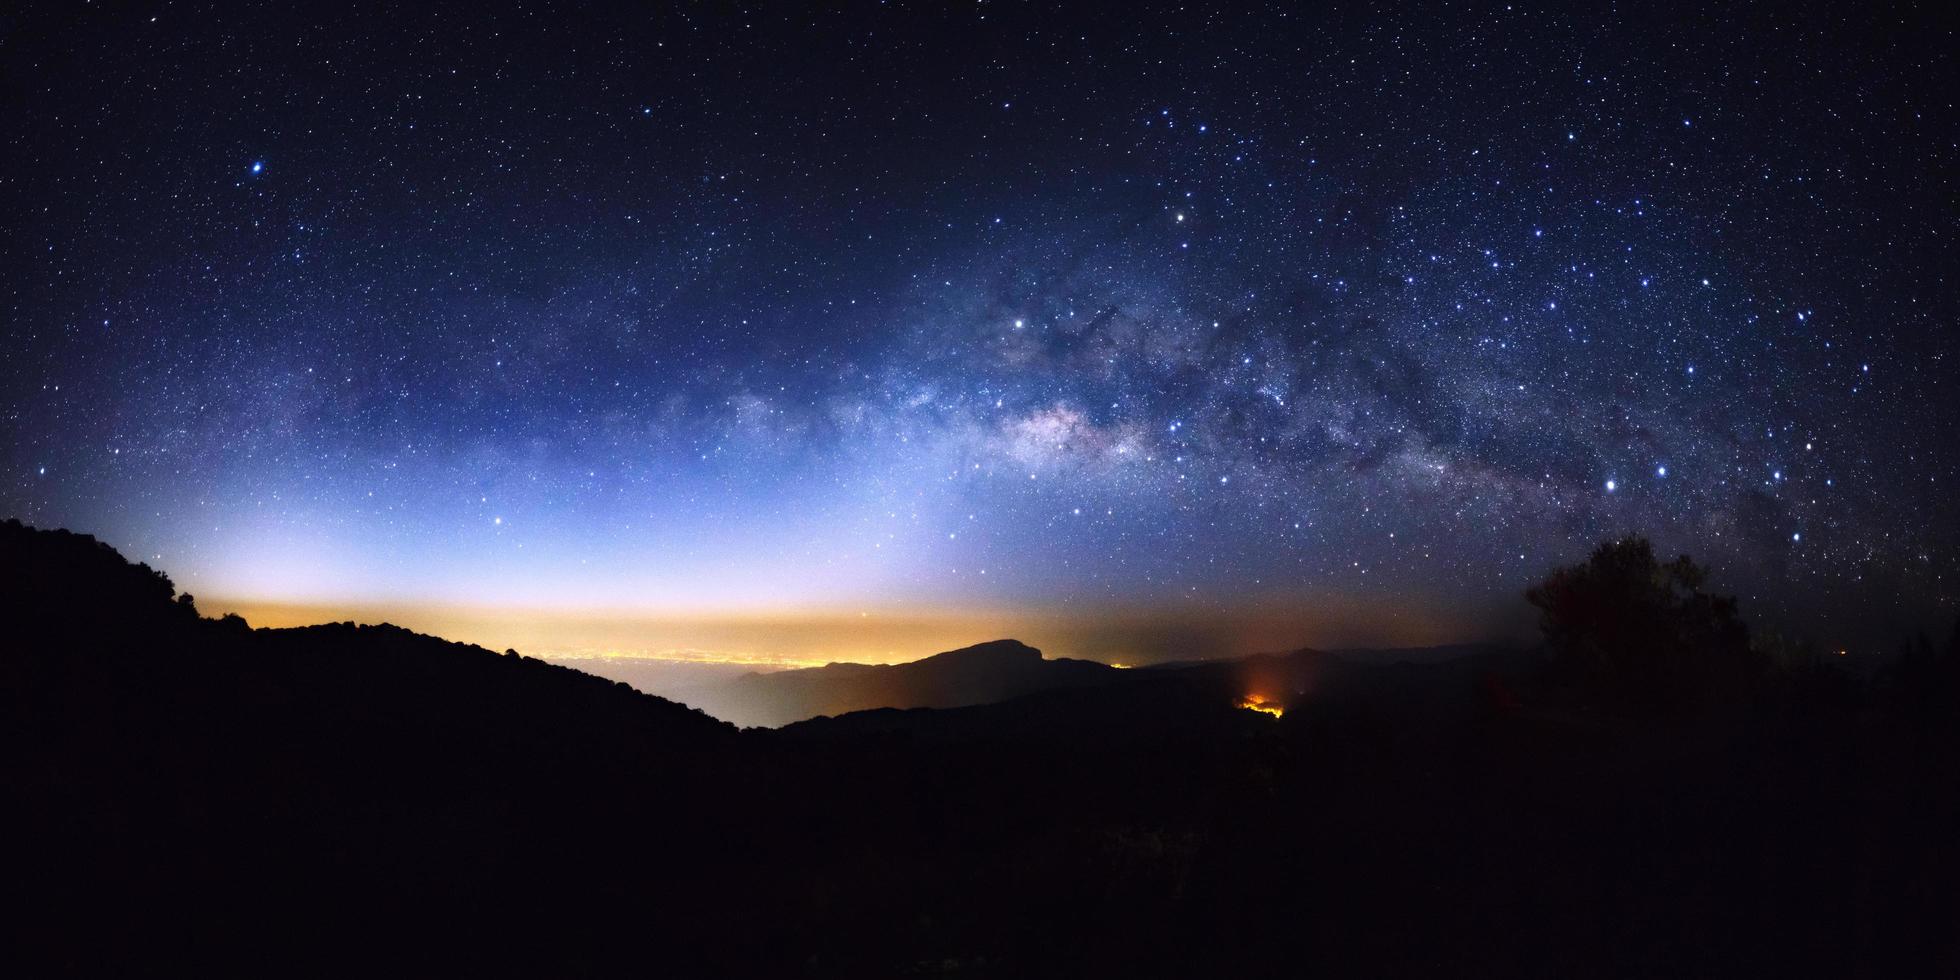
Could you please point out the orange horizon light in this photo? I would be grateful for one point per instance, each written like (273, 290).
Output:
(1254, 702)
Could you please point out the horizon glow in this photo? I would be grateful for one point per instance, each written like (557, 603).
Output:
(1126, 635)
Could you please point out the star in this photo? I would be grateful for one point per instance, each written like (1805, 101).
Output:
(753, 343)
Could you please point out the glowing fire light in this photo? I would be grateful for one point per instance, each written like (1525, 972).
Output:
(1254, 702)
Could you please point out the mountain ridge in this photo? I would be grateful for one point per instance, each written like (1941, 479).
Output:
(991, 671)
(336, 797)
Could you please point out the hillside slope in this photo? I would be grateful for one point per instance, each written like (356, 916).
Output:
(221, 792)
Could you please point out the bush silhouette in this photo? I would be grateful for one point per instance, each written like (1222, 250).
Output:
(1641, 634)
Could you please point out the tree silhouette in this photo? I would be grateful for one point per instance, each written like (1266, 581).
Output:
(1923, 682)
(1640, 633)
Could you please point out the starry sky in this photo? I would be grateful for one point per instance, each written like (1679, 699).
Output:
(1254, 325)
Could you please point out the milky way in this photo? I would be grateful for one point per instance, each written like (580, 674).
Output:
(985, 304)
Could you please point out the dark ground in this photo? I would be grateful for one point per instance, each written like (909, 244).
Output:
(192, 796)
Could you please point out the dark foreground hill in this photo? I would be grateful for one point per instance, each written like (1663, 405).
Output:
(192, 791)
(190, 796)
(980, 674)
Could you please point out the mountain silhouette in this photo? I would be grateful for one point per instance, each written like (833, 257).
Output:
(979, 674)
(65, 591)
(191, 795)
(224, 793)
(1427, 687)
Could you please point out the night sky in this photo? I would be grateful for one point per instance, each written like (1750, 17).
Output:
(889, 310)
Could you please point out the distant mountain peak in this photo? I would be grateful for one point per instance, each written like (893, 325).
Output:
(990, 650)
(982, 673)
